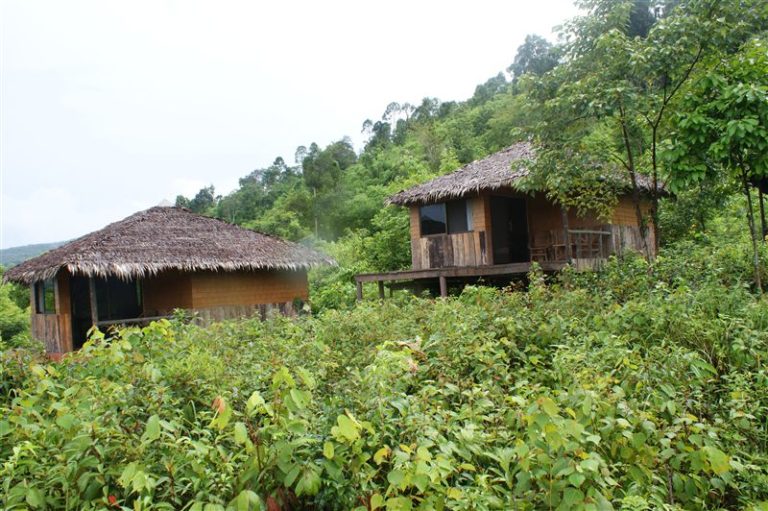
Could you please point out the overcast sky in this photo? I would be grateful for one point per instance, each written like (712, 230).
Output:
(109, 107)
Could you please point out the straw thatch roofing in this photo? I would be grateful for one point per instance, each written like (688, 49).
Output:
(163, 238)
(490, 173)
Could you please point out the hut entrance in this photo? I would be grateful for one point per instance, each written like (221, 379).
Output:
(81, 311)
(115, 299)
(509, 230)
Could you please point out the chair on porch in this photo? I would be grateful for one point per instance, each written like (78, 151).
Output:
(558, 248)
(539, 248)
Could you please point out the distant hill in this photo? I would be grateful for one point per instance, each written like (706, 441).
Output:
(15, 255)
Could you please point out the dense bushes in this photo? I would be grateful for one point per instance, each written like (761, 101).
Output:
(642, 387)
(14, 320)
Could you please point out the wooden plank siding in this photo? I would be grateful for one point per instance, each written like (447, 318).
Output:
(545, 221)
(459, 249)
(54, 330)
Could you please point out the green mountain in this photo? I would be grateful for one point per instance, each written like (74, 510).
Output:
(15, 255)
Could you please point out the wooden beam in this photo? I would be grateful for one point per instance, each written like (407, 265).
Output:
(359, 290)
(381, 289)
(458, 271)
(443, 286)
(94, 303)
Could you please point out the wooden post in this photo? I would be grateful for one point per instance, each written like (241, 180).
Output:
(443, 286)
(381, 289)
(566, 234)
(359, 291)
(94, 304)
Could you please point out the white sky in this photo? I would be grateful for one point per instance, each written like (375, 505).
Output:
(109, 107)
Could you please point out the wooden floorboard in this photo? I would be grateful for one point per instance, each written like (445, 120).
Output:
(457, 271)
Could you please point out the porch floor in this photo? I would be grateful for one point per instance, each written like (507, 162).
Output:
(442, 274)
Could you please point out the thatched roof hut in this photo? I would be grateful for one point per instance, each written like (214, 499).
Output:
(491, 173)
(154, 262)
(166, 238)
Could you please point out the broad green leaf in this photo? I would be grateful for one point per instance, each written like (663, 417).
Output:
(309, 482)
(348, 428)
(381, 455)
(718, 460)
(241, 433)
(396, 477)
(328, 450)
(291, 476)
(399, 504)
(35, 498)
(254, 402)
(377, 501)
(576, 479)
(152, 431)
(549, 406)
(65, 421)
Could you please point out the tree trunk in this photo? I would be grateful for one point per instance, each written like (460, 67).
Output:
(764, 229)
(314, 199)
(655, 191)
(635, 190)
(752, 233)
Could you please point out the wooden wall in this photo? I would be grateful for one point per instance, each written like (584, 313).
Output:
(55, 330)
(471, 248)
(475, 248)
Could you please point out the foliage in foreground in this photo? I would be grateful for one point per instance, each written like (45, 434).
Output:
(641, 387)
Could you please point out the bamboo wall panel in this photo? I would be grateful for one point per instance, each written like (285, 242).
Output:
(415, 222)
(625, 213)
(262, 311)
(212, 289)
(167, 291)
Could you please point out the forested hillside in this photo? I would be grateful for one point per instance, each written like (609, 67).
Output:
(14, 255)
(622, 92)
(639, 386)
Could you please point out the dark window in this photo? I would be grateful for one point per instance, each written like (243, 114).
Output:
(45, 300)
(445, 217)
(433, 219)
(118, 299)
(458, 219)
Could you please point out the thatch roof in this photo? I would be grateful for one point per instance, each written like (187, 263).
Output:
(490, 173)
(167, 238)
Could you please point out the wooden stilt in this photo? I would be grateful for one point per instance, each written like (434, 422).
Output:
(359, 291)
(381, 289)
(443, 286)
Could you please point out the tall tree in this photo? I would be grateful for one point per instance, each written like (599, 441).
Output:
(535, 56)
(723, 130)
(614, 92)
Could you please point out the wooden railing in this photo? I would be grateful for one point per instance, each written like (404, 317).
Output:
(589, 244)
(131, 321)
(581, 244)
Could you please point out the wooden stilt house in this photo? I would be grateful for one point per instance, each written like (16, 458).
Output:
(473, 223)
(165, 258)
